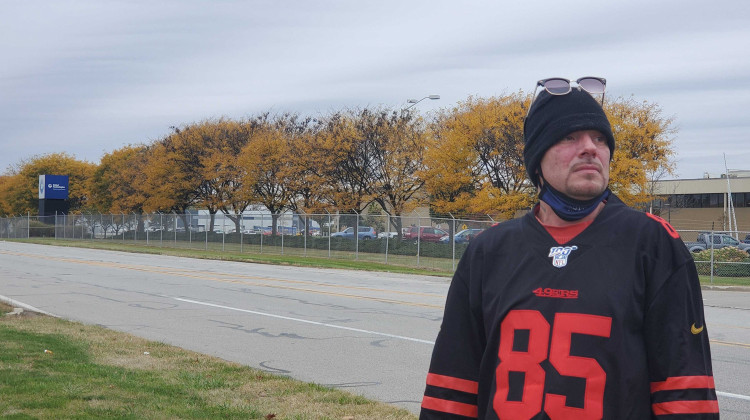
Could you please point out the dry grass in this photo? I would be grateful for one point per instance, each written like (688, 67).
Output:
(92, 372)
(271, 255)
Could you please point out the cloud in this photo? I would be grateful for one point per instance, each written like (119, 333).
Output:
(88, 77)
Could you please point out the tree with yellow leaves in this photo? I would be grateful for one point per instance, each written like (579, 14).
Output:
(644, 149)
(475, 162)
(475, 158)
(344, 170)
(265, 165)
(117, 183)
(168, 189)
(222, 169)
(6, 185)
(199, 159)
(303, 172)
(20, 188)
(118, 186)
(395, 143)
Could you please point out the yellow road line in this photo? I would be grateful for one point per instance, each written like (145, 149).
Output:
(730, 343)
(730, 326)
(242, 279)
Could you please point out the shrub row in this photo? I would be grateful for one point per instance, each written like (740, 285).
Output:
(728, 262)
(375, 246)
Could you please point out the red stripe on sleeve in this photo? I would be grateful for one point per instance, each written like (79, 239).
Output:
(683, 382)
(685, 407)
(450, 407)
(455, 384)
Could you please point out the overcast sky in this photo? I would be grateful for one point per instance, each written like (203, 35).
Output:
(88, 77)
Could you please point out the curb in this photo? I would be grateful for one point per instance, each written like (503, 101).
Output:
(726, 288)
(17, 304)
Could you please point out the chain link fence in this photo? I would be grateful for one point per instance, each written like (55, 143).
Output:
(416, 241)
(719, 253)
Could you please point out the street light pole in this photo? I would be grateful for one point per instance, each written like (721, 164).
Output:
(416, 101)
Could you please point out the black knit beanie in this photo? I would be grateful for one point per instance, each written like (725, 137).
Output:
(552, 117)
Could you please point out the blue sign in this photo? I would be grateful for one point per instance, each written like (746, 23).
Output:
(54, 187)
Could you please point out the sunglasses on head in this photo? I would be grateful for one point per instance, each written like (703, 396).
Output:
(559, 86)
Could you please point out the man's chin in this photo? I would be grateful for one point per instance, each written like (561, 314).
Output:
(587, 192)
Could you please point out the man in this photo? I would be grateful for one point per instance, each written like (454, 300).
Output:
(581, 309)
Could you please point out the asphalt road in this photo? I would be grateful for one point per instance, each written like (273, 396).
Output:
(369, 333)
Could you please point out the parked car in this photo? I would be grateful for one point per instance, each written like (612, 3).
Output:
(708, 240)
(747, 239)
(424, 234)
(462, 237)
(387, 235)
(364, 233)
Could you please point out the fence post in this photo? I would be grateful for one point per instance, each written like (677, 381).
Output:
(242, 229)
(262, 230)
(419, 236)
(304, 238)
(281, 216)
(711, 244)
(329, 232)
(387, 234)
(452, 238)
(356, 235)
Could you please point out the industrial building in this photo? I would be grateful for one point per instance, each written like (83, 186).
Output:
(703, 204)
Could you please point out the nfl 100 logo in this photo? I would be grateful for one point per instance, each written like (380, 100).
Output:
(560, 255)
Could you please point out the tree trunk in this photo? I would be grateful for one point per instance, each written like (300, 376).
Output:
(274, 223)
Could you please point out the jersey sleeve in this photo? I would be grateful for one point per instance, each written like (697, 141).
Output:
(453, 377)
(679, 358)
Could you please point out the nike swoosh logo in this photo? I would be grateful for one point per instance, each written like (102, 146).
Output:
(695, 330)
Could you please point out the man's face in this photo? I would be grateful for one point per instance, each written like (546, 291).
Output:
(578, 165)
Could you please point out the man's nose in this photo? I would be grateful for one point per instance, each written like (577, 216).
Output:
(588, 142)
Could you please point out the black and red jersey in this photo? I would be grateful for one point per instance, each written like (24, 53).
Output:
(608, 325)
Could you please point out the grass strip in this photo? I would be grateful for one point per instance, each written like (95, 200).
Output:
(298, 261)
(268, 258)
(56, 369)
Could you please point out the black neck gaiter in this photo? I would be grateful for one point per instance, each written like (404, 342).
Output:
(568, 208)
